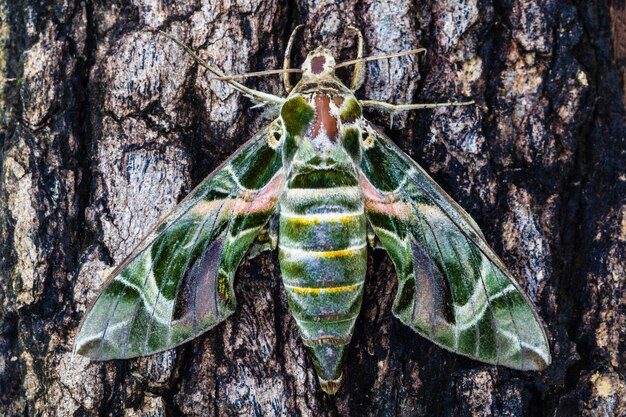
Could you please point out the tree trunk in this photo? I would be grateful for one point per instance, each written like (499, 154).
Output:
(106, 126)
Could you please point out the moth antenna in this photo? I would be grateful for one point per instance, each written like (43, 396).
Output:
(392, 109)
(395, 108)
(358, 76)
(378, 57)
(255, 95)
(287, 60)
(257, 74)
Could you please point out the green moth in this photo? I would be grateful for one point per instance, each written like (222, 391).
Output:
(320, 184)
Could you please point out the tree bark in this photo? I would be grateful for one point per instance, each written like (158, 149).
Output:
(106, 126)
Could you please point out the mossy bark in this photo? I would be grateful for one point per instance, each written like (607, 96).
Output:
(105, 126)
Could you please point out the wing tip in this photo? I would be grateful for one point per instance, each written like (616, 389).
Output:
(89, 350)
(535, 358)
(540, 361)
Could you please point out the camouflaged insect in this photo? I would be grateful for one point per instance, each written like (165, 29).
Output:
(318, 183)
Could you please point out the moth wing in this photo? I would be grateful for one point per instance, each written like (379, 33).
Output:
(452, 288)
(178, 282)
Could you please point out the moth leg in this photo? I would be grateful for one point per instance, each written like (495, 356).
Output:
(372, 239)
(287, 60)
(267, 238)
(393, 109)
(258, 96)
(358, 76)
(273, 229)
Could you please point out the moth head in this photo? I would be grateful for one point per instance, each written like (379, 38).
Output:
(318, 62)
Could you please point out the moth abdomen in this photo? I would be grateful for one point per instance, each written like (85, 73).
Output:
(323, 259)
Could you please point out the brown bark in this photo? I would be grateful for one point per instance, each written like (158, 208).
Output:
(618, 30)
(106, 126)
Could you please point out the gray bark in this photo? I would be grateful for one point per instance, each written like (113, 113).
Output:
(105, 126)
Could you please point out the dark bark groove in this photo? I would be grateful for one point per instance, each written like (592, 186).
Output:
(106, 126)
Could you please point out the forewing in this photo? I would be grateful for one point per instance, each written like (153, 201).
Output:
(178, 282)
(452, 288)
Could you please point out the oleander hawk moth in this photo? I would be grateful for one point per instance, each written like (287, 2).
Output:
(319, 184)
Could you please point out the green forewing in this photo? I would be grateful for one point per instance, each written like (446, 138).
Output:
(452, 288)
(179, 282)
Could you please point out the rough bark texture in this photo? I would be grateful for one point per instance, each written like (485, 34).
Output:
(106, 126)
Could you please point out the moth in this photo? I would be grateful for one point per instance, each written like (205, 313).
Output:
(320, 183)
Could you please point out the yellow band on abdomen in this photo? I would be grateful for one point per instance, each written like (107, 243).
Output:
(308, 219)
(324, 254)
(322, 290)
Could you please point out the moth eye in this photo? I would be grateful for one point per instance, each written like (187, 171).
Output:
(367, 139)
(274, 138)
